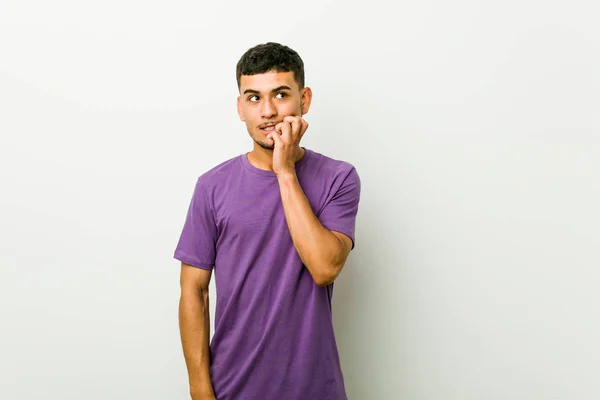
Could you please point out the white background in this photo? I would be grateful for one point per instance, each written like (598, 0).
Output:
(475, 129)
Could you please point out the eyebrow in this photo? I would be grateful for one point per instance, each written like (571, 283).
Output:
(277, 89)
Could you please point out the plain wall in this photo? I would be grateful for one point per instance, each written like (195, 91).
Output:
(475, 129)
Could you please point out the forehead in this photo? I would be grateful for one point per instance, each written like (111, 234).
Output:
(267, 81)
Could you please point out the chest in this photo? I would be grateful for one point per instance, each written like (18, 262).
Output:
(253, 207)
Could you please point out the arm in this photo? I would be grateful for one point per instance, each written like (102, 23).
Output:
(194, 327)
(322, 251)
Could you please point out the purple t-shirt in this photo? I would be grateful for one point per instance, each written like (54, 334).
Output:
(273, 337)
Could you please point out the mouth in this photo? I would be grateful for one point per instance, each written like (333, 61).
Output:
(268, 128)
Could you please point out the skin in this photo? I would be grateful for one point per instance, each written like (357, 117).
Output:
(275, 99)
(194, 329)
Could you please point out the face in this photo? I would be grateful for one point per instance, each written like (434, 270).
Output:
(265, 99)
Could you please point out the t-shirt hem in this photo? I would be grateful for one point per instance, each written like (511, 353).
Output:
(341, 230)
(192, 261)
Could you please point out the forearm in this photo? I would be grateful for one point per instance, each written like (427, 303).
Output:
(194, 327)
(318, 248)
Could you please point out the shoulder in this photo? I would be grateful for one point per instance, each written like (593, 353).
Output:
(219, 173)
(334, 169)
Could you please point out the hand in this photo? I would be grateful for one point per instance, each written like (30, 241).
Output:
(286, 137)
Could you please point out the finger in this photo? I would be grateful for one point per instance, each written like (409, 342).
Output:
(279, 127)
(270, 139)
(303, 128)
(276, 138)
(296, 123)
(286, 131)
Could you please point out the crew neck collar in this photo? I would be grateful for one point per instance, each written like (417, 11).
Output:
(268, 173)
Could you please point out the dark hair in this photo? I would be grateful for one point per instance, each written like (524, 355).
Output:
(268, 57)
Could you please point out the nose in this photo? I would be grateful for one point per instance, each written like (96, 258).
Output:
(268, 109)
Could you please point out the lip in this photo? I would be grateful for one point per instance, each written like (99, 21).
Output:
(268, 128)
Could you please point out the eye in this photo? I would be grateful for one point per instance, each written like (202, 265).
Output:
(283, 95)
(252, 97)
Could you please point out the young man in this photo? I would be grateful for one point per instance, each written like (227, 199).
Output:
(276, 225)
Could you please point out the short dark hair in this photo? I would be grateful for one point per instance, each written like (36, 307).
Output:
(268, 57)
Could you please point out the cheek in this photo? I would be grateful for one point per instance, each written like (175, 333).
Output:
(290, 108)
(247, 116)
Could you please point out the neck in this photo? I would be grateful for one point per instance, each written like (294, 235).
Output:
(263, 158)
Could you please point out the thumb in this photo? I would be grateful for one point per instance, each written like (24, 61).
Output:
(276, 138)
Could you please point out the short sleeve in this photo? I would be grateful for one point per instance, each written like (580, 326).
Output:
(198, 238)
(339, 213)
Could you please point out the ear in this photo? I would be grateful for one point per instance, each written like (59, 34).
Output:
(239, 108)
(306, 99)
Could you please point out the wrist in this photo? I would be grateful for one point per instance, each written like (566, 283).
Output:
(287, 175)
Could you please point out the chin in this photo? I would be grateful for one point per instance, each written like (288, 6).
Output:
(265, 145)
(262, 143)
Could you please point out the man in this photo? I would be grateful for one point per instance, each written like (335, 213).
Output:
(277, 225)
